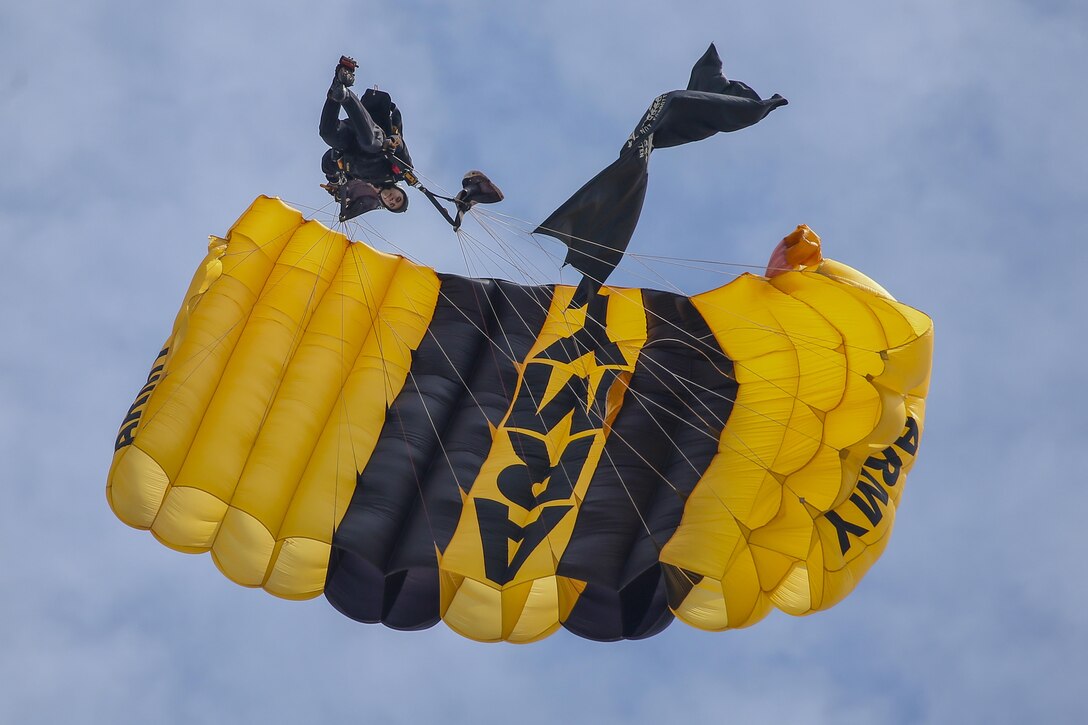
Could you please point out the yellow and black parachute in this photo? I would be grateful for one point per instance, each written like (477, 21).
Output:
(328, 419)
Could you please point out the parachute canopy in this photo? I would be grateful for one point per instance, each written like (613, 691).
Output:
(328, 419)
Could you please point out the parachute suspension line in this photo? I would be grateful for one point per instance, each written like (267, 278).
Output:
(482, 216)
(376, 322)
(745, 452)
(403, 431)
(510, 351)
(638, 399)
(510, 356)
(518, 258)
(536, 403)
(526, 274)
(507, 248)
(415, 472)
(750, 455)
(700, 350)
(499, 258)
(634, 449)
(662, 278)
(376, 327)
(463, 239)
(476, 256)
(631, 497)
(706, 265)
(525, 226)
(537, 406)
(809, 343)
(750, 409)
(319, 210)
(797, 338)
(342, 414)
(697, 350)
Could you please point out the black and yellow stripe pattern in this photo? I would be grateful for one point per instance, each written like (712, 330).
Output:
(328, 419)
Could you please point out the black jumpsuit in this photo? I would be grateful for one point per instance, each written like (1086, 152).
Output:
(357, 142)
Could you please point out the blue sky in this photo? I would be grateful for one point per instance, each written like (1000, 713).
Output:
(936, 146)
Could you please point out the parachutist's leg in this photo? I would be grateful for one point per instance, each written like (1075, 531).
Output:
(367, 132)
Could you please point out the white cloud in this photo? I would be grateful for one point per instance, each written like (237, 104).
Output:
(937, 146)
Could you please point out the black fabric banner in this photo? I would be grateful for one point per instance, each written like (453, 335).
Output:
(597, 222)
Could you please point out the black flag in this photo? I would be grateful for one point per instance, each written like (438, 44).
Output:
(597, 222)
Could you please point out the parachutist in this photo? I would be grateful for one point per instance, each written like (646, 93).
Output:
(368, 156)
(365, 148)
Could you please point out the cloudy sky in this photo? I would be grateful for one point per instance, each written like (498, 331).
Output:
(938, 146)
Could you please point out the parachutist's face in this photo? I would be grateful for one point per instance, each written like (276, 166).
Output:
(392, 198)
